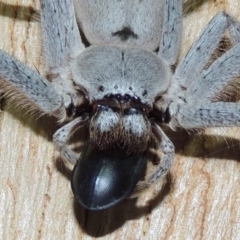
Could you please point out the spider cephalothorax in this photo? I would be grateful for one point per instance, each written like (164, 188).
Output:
(123, 95)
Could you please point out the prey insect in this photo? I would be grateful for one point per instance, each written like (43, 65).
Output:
(122, 87)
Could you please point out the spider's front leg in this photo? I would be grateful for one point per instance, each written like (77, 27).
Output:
(20, 82)
(202, 85)
(206, 113)
(62, 43)
(59, 98)
(186, 78)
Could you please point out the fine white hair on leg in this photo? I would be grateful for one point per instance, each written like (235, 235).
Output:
(171, 32)
(168, 150)
(209, 114)
(62, 136)
(191, 80)
(200, 52)
(212, 80)
(234, 30)
(62, 44)
(61, 36)
(19, 82)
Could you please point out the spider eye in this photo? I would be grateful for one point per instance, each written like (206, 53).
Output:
(101, 179)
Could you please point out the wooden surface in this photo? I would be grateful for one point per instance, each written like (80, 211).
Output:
(201, 199)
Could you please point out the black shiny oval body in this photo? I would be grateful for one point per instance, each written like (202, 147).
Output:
(101, 179)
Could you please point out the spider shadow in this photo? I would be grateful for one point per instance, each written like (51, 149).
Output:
(101, 223)
(205, 146)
